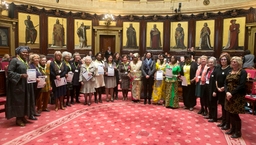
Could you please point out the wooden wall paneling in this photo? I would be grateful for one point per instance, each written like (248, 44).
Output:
(142, 36)
(191, 33)
(166, 38)
(218, 36)
(43, 34)
(70, 33)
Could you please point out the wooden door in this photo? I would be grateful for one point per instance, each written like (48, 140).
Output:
(107, 41)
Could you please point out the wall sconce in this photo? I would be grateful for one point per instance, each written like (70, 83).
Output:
(179, 9)
(108, 18)
(4, 5)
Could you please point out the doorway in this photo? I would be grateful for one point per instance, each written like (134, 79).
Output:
(107, 41)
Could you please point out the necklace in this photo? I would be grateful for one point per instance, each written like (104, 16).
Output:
(225, 67)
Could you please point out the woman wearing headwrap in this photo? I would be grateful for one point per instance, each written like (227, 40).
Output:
(20, 96)
(58, 70)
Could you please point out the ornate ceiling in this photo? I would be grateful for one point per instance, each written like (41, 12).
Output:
(139, 7)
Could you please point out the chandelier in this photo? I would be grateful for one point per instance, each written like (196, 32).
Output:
(4, 5)
(108, 18)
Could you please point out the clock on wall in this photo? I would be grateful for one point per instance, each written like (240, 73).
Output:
(206, 2)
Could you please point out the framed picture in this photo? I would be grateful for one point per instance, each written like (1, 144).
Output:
(4, 37)
(179, 35)
(233, 33)
(29, 32)
(154, 38)
(205, 35)
(83, 34)
(131, 32)
(57, 32)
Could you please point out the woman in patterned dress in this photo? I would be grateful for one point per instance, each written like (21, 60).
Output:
(158, 88)
(135, 76)
(171, 84)
(235, 91)
(99, 78)
(110, 81)
(88, 84)
(124, 69)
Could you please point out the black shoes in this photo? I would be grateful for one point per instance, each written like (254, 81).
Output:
(36, 114)
(32, 117)
(212, 120)
(237, 134)
(226, 127)
(231, 131)
(200, 111)
(221, 124)
(46, 110)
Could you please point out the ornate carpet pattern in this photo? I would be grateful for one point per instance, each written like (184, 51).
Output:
(121, 123)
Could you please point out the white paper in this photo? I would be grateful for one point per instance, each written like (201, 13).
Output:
(168, 73)
(111, 71)
(184, 81)
(41, 82)
(87, 76)
(70, 76)
(100, 70)
(159, 75)
(31, 75)
(60, 82)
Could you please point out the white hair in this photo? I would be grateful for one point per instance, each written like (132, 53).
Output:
(87, 58)
(65, 53)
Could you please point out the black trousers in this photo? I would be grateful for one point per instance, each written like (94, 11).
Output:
(204, 97)
(148, 87)
(189, 97)
(213, 107)
(75, 92)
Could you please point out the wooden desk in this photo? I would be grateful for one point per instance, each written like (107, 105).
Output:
(3, 83)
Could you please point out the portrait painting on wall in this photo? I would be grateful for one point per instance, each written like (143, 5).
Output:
(154, 35)
(233, 33)
(4, 37)
(83, 34)
(131, 32)
(29, 33)
(57, 32)
(205, 35)
(179, 35)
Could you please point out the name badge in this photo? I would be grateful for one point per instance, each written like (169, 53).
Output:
(45, 77)
(76, 70)
(134, 70)
(59, 71)
(223, 73)
(199, 77)
(126, 72)
(212, 76)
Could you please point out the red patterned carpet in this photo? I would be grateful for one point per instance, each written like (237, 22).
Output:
(123, 123)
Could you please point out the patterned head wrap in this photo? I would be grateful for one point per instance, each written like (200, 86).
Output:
(20, 49)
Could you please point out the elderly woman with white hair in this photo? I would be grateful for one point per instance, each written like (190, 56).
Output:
(210, 88)
(235, 88)
(58, 70)
(66, 56)
(87, 72)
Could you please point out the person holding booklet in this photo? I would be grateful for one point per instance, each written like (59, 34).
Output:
(66, 58)
(44, 68)
(58, 71)
(158, 88)
(34, 64)
(124, 70)
(19, 92)
(99, 77)
(87, 72)
(110, 79)
(171, 83)
(188, 70)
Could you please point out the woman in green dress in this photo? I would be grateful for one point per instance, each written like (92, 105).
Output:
(172, 73)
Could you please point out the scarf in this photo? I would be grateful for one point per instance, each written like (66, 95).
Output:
(201, 71)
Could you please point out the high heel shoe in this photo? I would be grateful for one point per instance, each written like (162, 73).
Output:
(62, 108)
(24, 120)
(56, 109)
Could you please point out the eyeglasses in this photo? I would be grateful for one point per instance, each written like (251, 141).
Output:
(223, 59)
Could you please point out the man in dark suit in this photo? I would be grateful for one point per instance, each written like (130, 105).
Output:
(148, 69)
(108, 52)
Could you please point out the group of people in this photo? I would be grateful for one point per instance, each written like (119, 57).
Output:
(155, 79)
